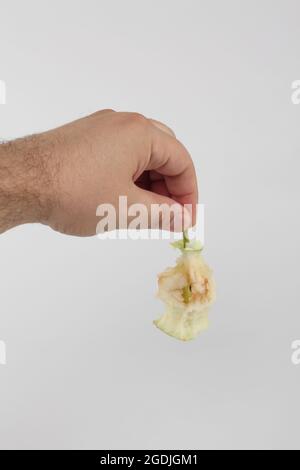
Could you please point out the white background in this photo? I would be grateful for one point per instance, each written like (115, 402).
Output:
(85, 367)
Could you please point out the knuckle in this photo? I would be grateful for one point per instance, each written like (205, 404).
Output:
(100, 113)
(137, 119)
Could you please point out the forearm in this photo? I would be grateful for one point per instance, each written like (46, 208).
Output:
(22, 179)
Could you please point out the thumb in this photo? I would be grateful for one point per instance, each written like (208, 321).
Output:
(157, 211)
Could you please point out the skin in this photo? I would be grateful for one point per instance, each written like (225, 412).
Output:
(59, 177)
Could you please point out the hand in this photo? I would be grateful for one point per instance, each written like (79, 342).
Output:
(67, 172)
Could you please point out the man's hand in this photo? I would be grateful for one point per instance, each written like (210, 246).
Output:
(59, 177)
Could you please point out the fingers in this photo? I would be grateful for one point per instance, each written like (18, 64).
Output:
(170, 159)
(158, 211)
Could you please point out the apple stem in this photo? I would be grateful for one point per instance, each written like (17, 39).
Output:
(185, 238)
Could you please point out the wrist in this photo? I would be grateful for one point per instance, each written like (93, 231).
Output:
(24, 183)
